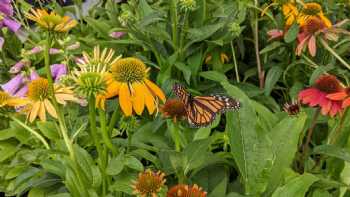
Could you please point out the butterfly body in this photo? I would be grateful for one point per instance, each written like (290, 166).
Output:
(202, 110)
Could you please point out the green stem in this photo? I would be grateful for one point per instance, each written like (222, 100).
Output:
(113, 121)
(235, 62)
(174, 131)
(105, 134)
(174, 25)
(309, 134)
(335, 54)
(93, 127)
(256, 46)
(129, 141)
(182, 36)
(32, 131)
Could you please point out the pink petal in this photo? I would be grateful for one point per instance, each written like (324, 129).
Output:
(312, 46)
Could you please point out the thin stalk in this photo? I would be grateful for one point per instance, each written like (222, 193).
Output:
(174, 131)
(256, 46)
(310, 132)
(182, 35)
(335, 54)
(32, 131)
(129, 141)
(93, 127)
(113, 121)
(235, 62)
(105, 134)
(174, 24)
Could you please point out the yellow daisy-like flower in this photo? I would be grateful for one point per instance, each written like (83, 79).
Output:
(290, 12)
(129, 80)
(10, 101)
(51, 21)
(315, 10)
(39, 99)
(149, 183)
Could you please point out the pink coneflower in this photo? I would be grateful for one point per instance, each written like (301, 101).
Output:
(317, 95)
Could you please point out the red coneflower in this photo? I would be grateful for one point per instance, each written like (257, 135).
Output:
(174, 109)
(182, 190)
(343, 96)
(317, 95)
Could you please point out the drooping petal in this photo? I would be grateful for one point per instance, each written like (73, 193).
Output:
(149, 100)
(312, 46)
(42, 112)
(125, 99)
(22, 92)
(346, 103)
(138, 98)
(16, 68)
(155, 90)
(336, 108)
(58, 71)
(34, 111)
(50, 108)
(6, 7)
(337, 96)
(301, 46)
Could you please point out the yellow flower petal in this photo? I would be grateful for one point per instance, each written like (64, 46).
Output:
(155, 90)
(42, 112)
(34, 111)
(125, 99)
(149, 100)
(50, 108)
(138, 98)
(14, 102)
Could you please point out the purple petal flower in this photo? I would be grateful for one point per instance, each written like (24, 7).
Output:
(17, 67)
(22, 92)
(13, 85)
(33, 75)
(117, 34)
(54, 51)
(35, 50)
(58, 70)
(11, 24)
(6, 7)
(2, 41)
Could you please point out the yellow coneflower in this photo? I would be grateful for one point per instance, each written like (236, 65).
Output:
(10, 101)
(174, 109)
(290, 12)
(149, 183)
(39, 99)
(51, 21)
(182, 190)
(129, 80)
(315, 10)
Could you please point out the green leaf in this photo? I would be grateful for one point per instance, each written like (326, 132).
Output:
(36, 192)
(332, 151)
(250, 148)
(285, 138)
(196, 154)
(133, 163)
(213, 75)
(15, 171)
(48, 129)
(272, 78)
(60, 195)
(7, 133)
(292, 33)
(123, 182)
(99, 26)
(116, 165)
(271, 47)
(147, 155)
(54, 167)
(296, 187)
(186, 70)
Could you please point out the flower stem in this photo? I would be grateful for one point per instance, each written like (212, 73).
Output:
(113, 121)
(335, 54)
(32, 131)
(93, 127)
(261, 72)
(174, 131)
(309, 134)
(173, 12)
(235, 62)
(105, 134)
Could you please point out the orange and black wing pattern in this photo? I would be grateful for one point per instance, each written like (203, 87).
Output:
(202, 110)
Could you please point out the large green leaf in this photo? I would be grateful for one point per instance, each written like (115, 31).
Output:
(250, 148)
(332, 151)
(272, 78)
(296, 187)
(285, 137)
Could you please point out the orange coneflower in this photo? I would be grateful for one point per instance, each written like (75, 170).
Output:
(129, 80)
(182, 190)
(174, 109)
(317, 95)
(149, 183)
(39, 99)
(51, 21)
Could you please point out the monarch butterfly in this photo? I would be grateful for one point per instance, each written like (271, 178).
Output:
(201, 110)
